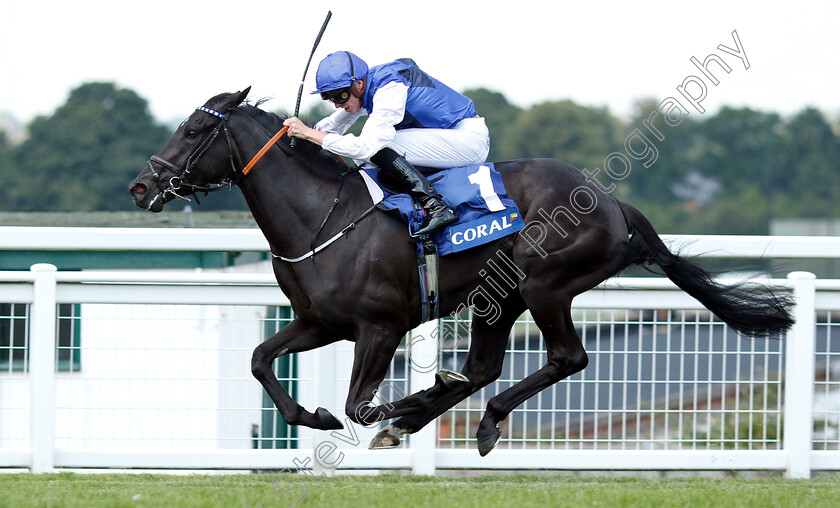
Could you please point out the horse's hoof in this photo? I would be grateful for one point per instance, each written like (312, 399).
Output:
(488, 441)
(450, 379)
(389, 437)
(326, 421)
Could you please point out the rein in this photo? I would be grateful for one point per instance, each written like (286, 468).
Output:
(263, 150)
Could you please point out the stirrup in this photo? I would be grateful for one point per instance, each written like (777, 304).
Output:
(439, 217)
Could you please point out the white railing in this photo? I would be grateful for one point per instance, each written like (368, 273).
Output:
(125, 407)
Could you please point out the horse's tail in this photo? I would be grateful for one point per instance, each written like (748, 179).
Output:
(750, 308)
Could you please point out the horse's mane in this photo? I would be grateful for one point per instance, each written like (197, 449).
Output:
(273, 122)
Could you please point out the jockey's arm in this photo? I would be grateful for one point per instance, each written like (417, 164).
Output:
(388, 110)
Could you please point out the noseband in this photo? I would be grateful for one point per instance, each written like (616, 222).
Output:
(176, 182)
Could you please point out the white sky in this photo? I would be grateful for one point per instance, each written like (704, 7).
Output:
(177, 54)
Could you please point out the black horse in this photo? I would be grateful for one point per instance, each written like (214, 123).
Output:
(365, 286)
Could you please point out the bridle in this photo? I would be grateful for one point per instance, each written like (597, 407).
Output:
(176, 182)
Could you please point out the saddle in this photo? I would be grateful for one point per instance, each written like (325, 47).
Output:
(478, 196)
(475, 192)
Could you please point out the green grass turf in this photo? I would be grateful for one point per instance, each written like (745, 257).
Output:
(394, 491)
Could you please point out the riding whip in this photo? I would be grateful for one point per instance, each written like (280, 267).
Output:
(314, 47)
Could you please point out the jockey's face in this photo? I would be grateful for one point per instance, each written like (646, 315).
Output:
(352, 105)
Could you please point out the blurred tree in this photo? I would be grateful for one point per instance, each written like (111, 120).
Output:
(728, 173)
(741, 212)
(563, 130)
(673, 166)
(807, 166)
(734, 146)
(85, 154)
(5, 148)
(315, 113)
(7, 171)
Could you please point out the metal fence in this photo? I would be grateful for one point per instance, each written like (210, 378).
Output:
(151, 369)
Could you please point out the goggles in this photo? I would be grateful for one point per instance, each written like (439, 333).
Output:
(339, 96)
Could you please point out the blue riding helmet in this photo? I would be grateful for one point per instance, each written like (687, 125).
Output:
(339, 70)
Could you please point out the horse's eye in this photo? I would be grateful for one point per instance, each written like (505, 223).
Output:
(191, 133)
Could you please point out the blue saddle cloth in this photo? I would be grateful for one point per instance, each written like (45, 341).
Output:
(478, 196)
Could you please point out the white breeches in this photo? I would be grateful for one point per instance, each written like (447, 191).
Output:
(466, 143)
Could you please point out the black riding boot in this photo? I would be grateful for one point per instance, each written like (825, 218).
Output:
(440, 214)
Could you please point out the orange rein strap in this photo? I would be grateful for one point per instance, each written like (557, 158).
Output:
(264, 149)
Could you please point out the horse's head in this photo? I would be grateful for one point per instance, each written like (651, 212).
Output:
(194, 157)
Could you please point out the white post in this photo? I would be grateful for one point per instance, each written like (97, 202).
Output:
(42, 351)
(423, 365)
(799, 377)
(324, 450)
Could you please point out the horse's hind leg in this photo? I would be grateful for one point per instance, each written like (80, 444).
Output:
(295, 337)
(566, 356)
(482, 366)
(563, 267)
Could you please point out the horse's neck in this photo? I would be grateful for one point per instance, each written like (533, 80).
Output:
(289, 201)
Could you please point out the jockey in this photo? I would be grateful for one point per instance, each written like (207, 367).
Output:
(413, 119)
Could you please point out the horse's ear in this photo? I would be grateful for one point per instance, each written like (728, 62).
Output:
(235, 99)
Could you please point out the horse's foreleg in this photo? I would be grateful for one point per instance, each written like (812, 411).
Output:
(375, 348)
(295, 337)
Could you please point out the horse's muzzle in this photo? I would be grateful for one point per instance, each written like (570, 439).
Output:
(144, 196)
